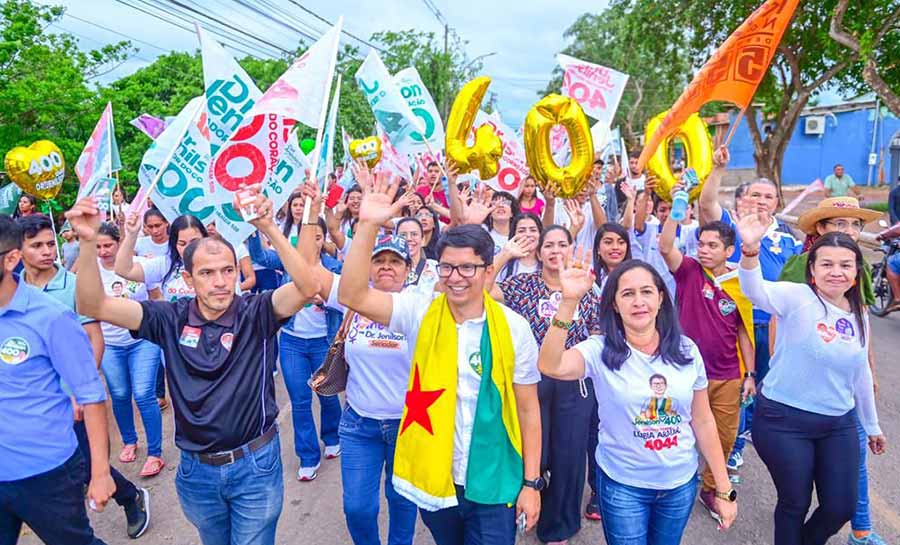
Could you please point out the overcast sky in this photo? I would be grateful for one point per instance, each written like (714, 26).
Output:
(525, 35)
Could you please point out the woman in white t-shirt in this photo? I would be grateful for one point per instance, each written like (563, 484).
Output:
(499, 222)
(650, 385)
(156, 241)
(129, 365)
(423, 271)
(379, 362)
(520, 257)
(164, 271)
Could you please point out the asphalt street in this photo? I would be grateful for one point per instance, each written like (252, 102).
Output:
(312, 511)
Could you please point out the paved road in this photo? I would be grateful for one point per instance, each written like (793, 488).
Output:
(312, 511)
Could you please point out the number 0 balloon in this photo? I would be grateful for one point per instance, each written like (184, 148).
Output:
(484, 154)
(38, 169)
(552, 110)
(698, 148)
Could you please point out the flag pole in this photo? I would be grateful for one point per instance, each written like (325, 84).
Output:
(733, 128)
(322, 115)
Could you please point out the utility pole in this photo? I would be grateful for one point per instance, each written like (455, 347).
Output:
(446, 97)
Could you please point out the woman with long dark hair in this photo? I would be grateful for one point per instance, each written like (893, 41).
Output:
(566, 405)
(528, 198)
(341, 219)
(612, 247)
(431, 230)
(650, 385)
(520, 255)
(129, 365)
(164, 271)
(27, 206)
(499, 221)
(819, 382)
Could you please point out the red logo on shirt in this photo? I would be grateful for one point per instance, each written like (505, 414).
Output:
(227, 339)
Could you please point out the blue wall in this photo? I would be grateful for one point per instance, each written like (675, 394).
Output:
(808, 157)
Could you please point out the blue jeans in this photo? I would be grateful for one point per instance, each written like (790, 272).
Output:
(761, 341)
(299, 359)
(51, 503)
(131, 371)
(367, 446)
(642, 516)
(471, 523)
(235, 503)
(861, 521)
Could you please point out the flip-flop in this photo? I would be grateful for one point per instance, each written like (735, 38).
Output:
(152, 466)
(128, 454)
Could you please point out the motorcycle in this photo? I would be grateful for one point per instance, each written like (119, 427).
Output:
(884, 295)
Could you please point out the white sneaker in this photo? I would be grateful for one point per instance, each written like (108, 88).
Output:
(332, 452)
(307, 473)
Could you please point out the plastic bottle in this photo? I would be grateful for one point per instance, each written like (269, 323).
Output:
(679, 206)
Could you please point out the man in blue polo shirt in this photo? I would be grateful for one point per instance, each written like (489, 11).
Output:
(220, 355)
(41, 270)
(778, 245)
(41, 345)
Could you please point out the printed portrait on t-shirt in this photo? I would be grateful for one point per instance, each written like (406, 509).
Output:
(659, 403)
(659, 422)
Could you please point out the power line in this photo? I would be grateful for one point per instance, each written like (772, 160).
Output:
(280, 22)
(133, 39)
(437, 12)
(326, 21)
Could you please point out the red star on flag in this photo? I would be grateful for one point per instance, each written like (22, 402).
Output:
(417, 403)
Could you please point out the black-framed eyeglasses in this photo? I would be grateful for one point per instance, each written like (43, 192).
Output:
(465, 270)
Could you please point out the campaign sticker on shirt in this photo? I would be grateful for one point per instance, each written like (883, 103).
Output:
(14, 350)
(708, 291)
(726, 307)
(658, 423)
(826, 332)
(190, 336)
(845, 329)
(226, 340)
(548, 306)
(475, 362)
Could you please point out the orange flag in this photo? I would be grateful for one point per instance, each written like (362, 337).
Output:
(733, 72)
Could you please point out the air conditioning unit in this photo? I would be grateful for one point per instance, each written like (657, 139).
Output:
(814, 124)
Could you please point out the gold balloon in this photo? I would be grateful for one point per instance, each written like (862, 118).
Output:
(698, 148)
(485, 152)
(38, 169)
(367, 149)
(567, 181)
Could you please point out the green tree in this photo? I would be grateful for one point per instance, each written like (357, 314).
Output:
(618, 37)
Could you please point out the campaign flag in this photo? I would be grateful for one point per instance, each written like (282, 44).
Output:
(421, 103)
(101, 153)
(600, 135)
(597, 88)
(513, 166)
(391, 110)
(139, 203)
(9, 199)
(733, 72)
(815, 186)
(149, 125)
(326, 149)
(345, 141)
(182, 153)
(391, 160)
(251, 134)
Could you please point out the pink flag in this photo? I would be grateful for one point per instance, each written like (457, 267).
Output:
(100, 153)
(149, 125)
(816, 185)
(391, 160)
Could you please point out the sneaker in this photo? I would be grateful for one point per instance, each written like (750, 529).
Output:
(747, 436)
(138, 514)
(307, 473)
(707, 499)
(593, 508)
(332, 452)
(735, 461)
(871, 539)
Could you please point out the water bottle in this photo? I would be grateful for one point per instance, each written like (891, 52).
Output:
(679, 206)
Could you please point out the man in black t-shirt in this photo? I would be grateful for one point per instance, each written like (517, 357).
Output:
(220, 356)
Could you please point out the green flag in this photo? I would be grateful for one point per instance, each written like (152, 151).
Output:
(9, 198)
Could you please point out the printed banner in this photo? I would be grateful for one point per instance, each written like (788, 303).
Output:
(597, 88)
(9, 198)
(391, 160)
(422, 105)
(101, 154)
(513, 166)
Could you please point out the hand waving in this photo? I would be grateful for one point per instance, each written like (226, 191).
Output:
(476, 211)
(752, 229)
(576, 278)
(378, 205)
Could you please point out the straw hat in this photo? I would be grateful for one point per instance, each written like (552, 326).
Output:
(835, 207)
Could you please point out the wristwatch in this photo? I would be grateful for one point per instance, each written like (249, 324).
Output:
(749, 374)
(731, 495)
(537, 484)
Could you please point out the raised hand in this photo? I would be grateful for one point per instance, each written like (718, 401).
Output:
(85, 219)
(478, 209)
(378, 205)
(576, 216)
(259, 202)
(721, 157)
(520, 246)
(133, 224)
(629, 190)
(452, 171)
(576, 277)
(752, 229)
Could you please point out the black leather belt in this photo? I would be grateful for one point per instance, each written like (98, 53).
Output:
(227, 457)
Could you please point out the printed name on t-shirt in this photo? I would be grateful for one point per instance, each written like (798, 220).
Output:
(376, 334)
(658, 423)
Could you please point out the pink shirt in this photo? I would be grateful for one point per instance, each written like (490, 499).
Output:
(537, 208)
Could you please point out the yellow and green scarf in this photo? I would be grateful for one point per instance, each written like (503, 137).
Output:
(732, 286)
(423, 460)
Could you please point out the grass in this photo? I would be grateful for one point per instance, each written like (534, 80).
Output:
(879, 206)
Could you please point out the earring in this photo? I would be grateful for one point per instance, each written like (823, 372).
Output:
(853, 285)
(813, 281)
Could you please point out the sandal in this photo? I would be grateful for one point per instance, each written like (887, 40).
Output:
(152, 466)
(128, 454)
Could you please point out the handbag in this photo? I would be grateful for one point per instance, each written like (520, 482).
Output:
(331, 378)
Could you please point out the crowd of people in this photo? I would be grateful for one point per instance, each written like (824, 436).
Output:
(502, 351)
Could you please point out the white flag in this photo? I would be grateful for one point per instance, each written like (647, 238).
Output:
(422, 106)
(597, 88)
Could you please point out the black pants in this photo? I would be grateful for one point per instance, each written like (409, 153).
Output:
(800, 449)
(593, 440)
(51, 503)
(565, 417)
(126, 492)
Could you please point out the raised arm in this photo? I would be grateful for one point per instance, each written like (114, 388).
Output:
(516, 248)
(246, 266)
(597, 211)
(554, 360)
(354, 291)
(90, 296)
(125, 265)
(667, 247)
(549, 215)
(453, 192)
(333, 223)
(630, 192)
(313, 270)
(710, 209)
(640, 212)
(772, 297)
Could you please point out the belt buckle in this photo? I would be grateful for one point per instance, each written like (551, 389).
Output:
(229, 455)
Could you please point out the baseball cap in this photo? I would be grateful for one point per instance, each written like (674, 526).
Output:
(392, 243)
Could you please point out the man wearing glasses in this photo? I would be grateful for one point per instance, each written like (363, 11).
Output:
(465, 346)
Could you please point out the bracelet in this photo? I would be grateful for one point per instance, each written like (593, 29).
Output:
(745, 253)
(561, 324)
(750, 374)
